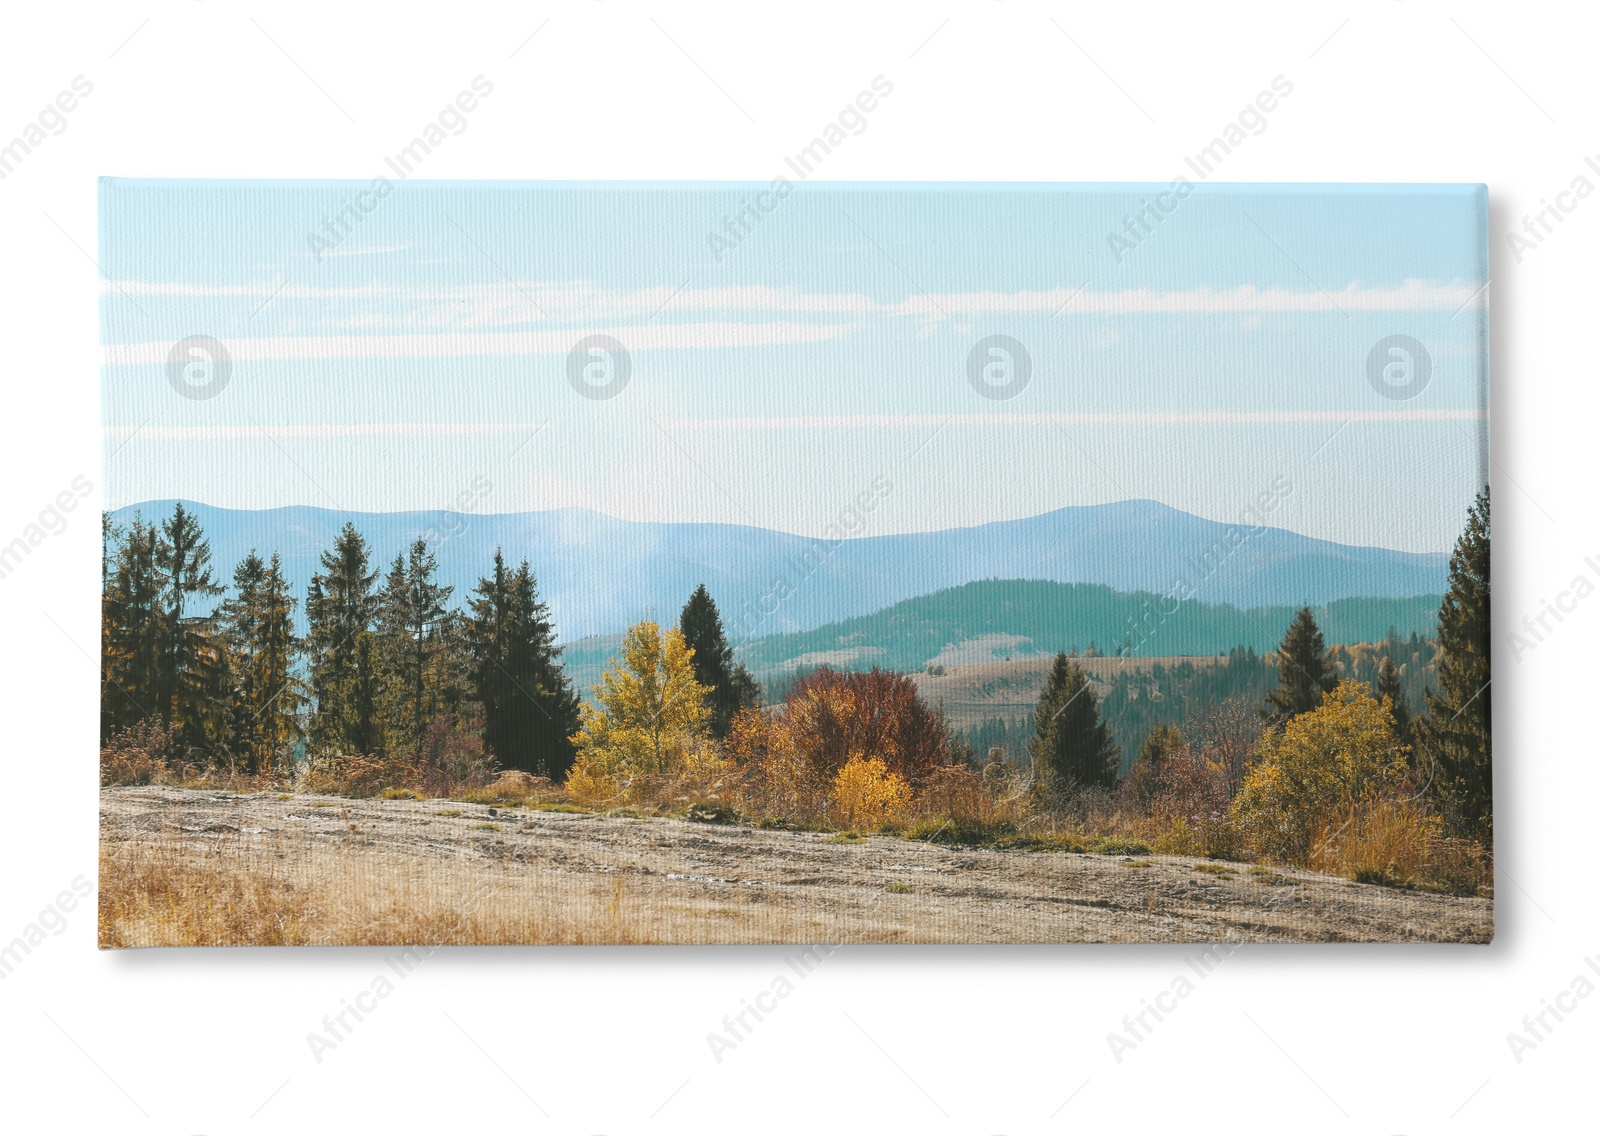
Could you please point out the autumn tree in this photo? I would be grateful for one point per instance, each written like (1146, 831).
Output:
(830, 716)
(1456, 734)
(1319, 770)
(340, 609)
(650, 711)
(530, 711)
(1304, 675)
(732, 688)
(1071, 746)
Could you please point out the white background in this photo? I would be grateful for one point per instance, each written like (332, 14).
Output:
(1346, 1038)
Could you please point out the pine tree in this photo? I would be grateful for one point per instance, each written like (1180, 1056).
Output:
(1456, 733)
(364, 705)
(732, 687)
(1304, 675)
(1391, 687)
(340, 607)
(133, 635)
(415, 629)
(530, 711)
(192, 681)
(1071, 746)
(262, 649)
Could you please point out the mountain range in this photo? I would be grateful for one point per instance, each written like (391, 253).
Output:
(599, 573)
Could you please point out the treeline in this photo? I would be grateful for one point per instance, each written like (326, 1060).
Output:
(1185, 693)
(385, 666)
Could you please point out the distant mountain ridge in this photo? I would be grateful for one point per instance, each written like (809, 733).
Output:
(989, 620)
(599, 574)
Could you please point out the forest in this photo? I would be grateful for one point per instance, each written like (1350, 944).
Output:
(1372, 760)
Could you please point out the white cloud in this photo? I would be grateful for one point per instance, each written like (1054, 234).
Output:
(463, 344)
(533, 301)
(1085, 418)
(1411, 296)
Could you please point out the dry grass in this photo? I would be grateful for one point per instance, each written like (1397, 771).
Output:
(163, 893)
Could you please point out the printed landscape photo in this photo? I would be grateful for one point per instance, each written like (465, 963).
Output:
(795, 562)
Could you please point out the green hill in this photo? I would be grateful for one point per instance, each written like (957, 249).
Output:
(1019, 618)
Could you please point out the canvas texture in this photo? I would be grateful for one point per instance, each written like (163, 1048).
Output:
(794, 562)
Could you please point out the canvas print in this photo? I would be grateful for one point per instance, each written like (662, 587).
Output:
(794, 562)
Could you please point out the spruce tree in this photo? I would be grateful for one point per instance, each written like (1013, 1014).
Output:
(732, 688)
(529, 709)
(262, 650)
(1391, 687)
(415, 628)
(1456, 733)
(134, 639)
(1304, 675)
(192, 685)
(340, 607)
(364, 706)
(1071, 746)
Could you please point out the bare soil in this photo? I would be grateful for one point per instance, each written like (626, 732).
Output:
(205, 867)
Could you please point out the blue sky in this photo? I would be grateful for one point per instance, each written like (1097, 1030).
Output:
(423, 356)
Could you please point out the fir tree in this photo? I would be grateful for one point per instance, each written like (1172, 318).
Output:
(262, 649)
(732, 688)
(363, 708)
(1071, 746)
(529, 709)
(132, 632)
(1456, 733)
(340, 607)
(415, 628)
(1304, 675)
(1390, 686)
(192, 684)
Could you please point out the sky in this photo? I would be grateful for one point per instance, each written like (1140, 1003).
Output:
(420, 355)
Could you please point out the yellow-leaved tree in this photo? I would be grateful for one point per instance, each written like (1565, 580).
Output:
(648, 720)
(1328, 764)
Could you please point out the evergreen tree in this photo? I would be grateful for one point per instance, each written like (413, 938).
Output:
(133, 635)
(191, 690)
(529, 709)
(416, 631)
(340, 607)
(1304, 675)
(363, 708)
(732, 688)
(1391, 686)
(262, 647)
(1071, 746)
(1456, 733)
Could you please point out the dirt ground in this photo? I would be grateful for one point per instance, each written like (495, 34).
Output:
(204, 867)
